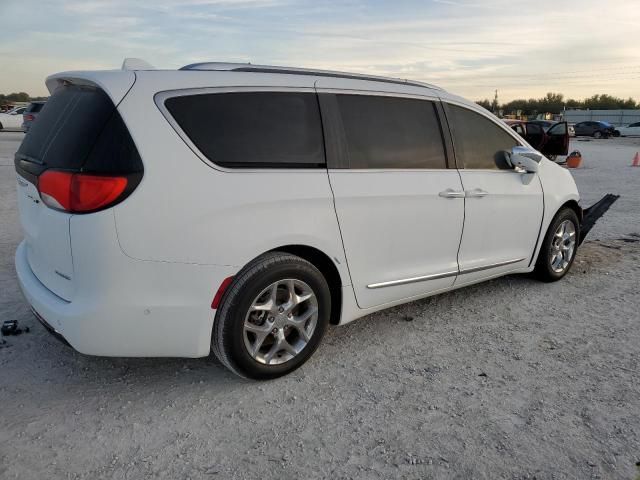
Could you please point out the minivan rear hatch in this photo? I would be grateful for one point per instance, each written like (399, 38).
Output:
(79, 133)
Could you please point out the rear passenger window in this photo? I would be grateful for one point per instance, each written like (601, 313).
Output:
(478, 142)
(253, 129)
(390, 132)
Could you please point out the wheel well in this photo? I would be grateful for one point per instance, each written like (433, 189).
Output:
(573, 205)
(326, 266)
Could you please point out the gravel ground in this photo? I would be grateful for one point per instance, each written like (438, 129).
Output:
(508, 379)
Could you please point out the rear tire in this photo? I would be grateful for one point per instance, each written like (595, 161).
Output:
(559, 247)
(272, 317)
(597, 134)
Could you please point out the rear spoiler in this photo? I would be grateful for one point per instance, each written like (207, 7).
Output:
(591, 215)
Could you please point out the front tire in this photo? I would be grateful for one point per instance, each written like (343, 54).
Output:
(272, 317)
(559, 247)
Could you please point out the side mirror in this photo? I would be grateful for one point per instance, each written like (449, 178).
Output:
(525, 159)
(525, 163)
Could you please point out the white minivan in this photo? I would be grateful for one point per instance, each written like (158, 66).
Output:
(242, 209)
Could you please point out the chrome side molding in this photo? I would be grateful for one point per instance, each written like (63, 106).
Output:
(436, 276)
(492, 265)
(404, 281)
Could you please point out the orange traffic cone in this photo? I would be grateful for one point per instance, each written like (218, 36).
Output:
(636, 160)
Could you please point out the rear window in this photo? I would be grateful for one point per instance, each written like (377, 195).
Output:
(80, 129)
(34, 108)
(253, 129)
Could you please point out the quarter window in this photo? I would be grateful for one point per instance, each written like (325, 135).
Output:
(478, 142)
(253, 129)
(389, 132)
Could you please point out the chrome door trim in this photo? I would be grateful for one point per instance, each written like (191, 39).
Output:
(493, 265)
(404, 281)
(436, 276)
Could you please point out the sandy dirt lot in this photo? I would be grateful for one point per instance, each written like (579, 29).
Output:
(509, 379)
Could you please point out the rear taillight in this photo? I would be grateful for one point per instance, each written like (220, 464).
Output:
(80, 192)
(28, 117)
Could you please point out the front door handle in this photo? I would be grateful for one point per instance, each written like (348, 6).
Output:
(476, 192)
(451, 193)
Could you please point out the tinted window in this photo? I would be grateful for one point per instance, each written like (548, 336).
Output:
(389, 132)
(478, 142)
(34, 108)
(79, 129)
(257, 129)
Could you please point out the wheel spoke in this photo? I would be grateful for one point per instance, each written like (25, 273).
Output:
(302, 319)
(275, 348)
(261, 332)
(263, 307)
(287, 347)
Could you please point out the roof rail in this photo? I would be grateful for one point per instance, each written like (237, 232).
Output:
(247, 67)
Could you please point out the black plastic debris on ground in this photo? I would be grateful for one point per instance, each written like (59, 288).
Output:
(10, 327)
(594, 212)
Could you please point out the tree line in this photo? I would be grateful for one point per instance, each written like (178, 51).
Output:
(556, 103)
(18, 97)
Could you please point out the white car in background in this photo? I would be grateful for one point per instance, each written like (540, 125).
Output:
(630, 130)
(12, 120)
(242, 209)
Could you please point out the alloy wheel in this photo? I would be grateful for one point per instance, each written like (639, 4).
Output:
(563, 245)
(280, 322)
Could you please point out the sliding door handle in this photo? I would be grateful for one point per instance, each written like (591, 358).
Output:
(476, 192)
(451, 193)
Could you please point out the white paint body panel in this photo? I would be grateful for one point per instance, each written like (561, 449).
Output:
(145, 271)
(395, 226)
(47, 241)
(502, 226)
(629, 131)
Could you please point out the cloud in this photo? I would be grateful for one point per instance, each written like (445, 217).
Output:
(470, 47)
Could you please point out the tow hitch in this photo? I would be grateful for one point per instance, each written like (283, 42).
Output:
(591, 215)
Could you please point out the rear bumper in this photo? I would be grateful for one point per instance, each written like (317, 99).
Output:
(149, 309)
(49, 328)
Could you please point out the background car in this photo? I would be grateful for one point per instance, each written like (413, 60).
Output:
(552, 141)
(12, 120)
(630, 130)
(30, 114)
(547, 124)
(595, 129)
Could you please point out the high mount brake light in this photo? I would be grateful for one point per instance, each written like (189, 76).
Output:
(80, 192)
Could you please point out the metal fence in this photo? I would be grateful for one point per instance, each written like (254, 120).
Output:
(616, 117)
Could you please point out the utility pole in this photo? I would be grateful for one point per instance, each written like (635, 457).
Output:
(494, 104)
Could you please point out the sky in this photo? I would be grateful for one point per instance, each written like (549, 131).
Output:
(470, 47)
